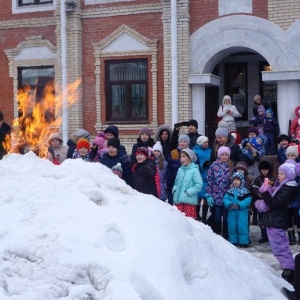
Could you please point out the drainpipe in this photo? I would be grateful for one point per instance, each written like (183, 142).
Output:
(174, 61)
(64, 80)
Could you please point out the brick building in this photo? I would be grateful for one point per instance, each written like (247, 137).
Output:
(123, 51)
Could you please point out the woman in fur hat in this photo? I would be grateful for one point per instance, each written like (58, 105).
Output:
(163, 134)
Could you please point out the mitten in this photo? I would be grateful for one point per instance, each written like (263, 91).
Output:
(263, 188)
(210, 201)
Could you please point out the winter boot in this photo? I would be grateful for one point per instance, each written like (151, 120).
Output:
(264, 236)
(289, 295)
(292, 237)
(288, 275)
(204, 213)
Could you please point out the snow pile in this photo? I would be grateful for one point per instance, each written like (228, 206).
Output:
(77, 231)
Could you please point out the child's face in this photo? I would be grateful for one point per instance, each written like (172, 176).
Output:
(205, 145)
(112, 151)
(140, 158)
(284, 143)
(83, 151)
(264, 172)
(184, 159)
(241, 171)
(224, 157)
(291, 156)
(145, 137)
(236, 182)
(281, 176)
(252, 135)
(183, 144)
(261, 113)
(156, 153)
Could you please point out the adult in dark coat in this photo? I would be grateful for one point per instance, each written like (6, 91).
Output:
(192, 133)
(5, 130)
(163, 135)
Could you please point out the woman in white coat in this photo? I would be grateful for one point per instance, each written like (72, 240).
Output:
(228, 112)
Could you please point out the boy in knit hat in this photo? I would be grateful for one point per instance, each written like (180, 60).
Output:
(82, 150)
(144, 140)
(218, 182)
(187, 184)
(174, 163)
(275, 218)
(203, 153)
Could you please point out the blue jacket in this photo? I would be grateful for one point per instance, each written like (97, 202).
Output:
(187, 184)
(203, 157)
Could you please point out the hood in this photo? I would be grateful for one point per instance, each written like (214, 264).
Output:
(112, 129)
(226, 97)
(160, 129)
(296, 111)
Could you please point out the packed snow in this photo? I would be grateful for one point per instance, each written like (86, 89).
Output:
(77, 231)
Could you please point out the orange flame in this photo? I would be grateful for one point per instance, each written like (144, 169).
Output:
(37, 119)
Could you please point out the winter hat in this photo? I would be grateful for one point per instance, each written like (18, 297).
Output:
(117, 169)
(113, 130)
(114, 142)
(144, 151)
(100, 142)
(202, 139)
(190, 153)
(242, 165)
(292, 150)
(184, 137)
(145, 130)
(264, 165)
(54, 135)
(83, 142)
(289, 170)
(261, 108)
(253, 130)
(222, 132)
(269, 111)
(222, 150)
(158, 147)
(82, 133)
(224, 124)
(291, 161)
(283, 137)
(101, 134)
(193, 122)
(238, 175)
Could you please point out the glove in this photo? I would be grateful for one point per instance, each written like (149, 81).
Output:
(237, 206)
(263, 188)
(210, 201)
(231, 206)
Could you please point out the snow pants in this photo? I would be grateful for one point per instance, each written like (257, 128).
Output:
(238, 226)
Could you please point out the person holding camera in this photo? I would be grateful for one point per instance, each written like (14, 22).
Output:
(192, 133)
(228, 112)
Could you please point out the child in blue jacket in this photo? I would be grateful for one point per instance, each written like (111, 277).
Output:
(188, 183)
(236, 200)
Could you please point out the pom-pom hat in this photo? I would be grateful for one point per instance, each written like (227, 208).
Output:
(117, 169)
(83, 143)
(288, 170)
(222, 132)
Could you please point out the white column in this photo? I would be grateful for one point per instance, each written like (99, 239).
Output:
(198, 106)
(288, 93)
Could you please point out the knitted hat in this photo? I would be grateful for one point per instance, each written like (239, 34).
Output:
(117, 169)
(184, 137)
(292, 150)
(291, 161)
(288, 170)
(261, 108)
(54, 135)
(253, 130)
(113, 142)
(190, 153)
(202, 139)
(145, 130)
(82, 133)
(222, 150)
(101, 134)
(224, 124)
(222, 132)
(269, 111)
(144, 151)
(158, 147)
(242, 165)
(193, 122)
(114, 130)
(264, 165)
(82, 142)
(283, 137)
(100, 142)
